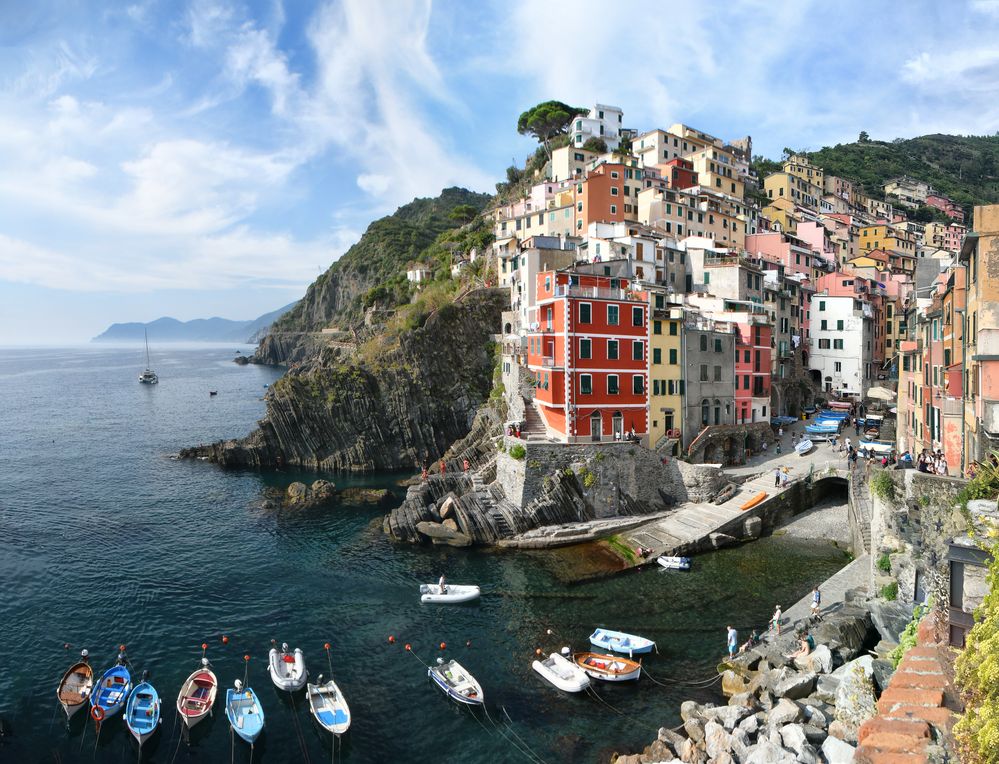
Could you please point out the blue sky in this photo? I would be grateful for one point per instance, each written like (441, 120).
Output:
(209, 157)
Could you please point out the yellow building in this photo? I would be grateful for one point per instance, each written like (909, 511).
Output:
(900, 245)
(717, 171)
(784, 185)
(666, 383)
(781, 211)
(801, 168)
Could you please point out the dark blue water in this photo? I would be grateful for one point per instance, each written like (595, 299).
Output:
(105, 540)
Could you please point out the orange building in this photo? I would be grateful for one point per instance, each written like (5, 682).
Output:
(589, 356)
(609, 194)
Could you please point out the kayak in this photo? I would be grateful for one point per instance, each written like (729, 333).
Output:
(753, 501)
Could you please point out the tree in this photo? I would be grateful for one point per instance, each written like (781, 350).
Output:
(546, 120)
(625, 146)
(599, 145)
(463, 213)
(863, 137)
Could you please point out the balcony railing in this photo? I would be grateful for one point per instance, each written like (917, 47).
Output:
(572, 290)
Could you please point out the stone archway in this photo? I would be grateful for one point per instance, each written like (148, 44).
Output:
(710, 454)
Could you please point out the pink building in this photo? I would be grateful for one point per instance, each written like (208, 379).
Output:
(950, 208)
(816, 236)
(792, 252)
(752, 367)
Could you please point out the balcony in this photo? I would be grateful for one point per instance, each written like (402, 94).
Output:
(549, 362)
(599, 293)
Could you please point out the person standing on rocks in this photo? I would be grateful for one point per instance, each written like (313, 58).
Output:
(733, 641)
(775, 621)
(816, 600)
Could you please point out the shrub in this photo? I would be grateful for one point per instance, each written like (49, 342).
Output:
(517, 451)
(907, 638)
(884, 563)
(883, 486)
(890, 591)
(587, 478)
(600, 456)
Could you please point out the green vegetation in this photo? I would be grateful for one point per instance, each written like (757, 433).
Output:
(517, 451)
(547, 120)
(977, 670)
(890, 591)
(884, 563)
(596, 144)
(907, 639)
(883, 486)
(621, 548)
(587, 478)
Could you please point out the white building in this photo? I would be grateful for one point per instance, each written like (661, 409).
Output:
(417, 273)
(841, 336)
(602, 122)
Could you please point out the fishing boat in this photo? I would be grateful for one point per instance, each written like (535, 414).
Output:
(842, 405)
(244, 712)
(111, 691)
(287, 669)
(148, 376)
(456, 682)
(609, 668)
(674, 563)
(453, 593)
(142, 713)
(328, 706)
(197, 695)
(75, 686)
(562, 673)
(753, 501)
(821, 429)
(804, 446)
(620, 642)
(833, 414)
(725, 494)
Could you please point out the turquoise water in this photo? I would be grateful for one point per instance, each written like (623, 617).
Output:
(106, 540)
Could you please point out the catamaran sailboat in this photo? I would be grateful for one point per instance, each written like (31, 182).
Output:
(148, 376)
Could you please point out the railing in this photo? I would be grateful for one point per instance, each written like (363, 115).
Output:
(573, 290)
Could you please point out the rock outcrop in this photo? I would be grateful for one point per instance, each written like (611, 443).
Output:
(394, 404)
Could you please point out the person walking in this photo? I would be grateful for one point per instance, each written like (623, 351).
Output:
(733, 641)
(780, 431)
(775, 621)
(777, 478)
(816, 600)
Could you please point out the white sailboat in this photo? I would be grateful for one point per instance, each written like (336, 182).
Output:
(148, 376)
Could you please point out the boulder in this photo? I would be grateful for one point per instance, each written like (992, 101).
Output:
(694, 728)
(842, 731)
(826, 686)
(672, 738)
(373, 496)
(438, 534)
(795, 686)
(727, 716)
(837, 751)
(749, 725)
(745, 663)
(323, 490)
(716, 740)
(855, 701)
(296, 493)
(658, 751)
(745, 700)
(793, 737)
(883, 671)
(818, 715)
(741, 742)
(845, 633)
(766, 700)
(865, 662)
(691, 754)
(752, 528)
(819, 661)
(808, 755)
(890, 617)
(450, 524)
(785, 712)
(814, 734)
(719, 540)
(690, 709)
(447, 506)
(732, 683)
(767, 752)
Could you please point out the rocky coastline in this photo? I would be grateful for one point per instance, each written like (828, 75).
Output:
(811, 709)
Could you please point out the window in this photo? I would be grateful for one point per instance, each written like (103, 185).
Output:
(613, 312)
(823, 344)
(824, 325)
(837, 344)
(672, 327)
(745, 382)
(614, 191)
(746, 356)
(717, 373)
(718, 345)
(637, 350)
(704, 372)
(704, 342)
(657, 355)
(707, 278)
(837, 366)
(672, 355)
(612, 386)
(638, 384)
(613, 209)
(657, 327)
(585, 313)
(839, 325)
(637, 317)
(585, 384)
(612, 350)
(585, 348)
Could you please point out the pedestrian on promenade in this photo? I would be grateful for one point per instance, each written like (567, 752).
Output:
(733, 641)
(777, 449)
(777, 478)
(780, 431)
(764, 447)
(775, 621)
(816, 600)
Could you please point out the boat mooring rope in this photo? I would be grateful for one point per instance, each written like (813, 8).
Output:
(666, 681)
(526, 751)
(512, 732)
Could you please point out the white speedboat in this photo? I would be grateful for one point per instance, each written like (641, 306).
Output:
(804, 446)
(328, 706)
(456, 682)
(674, 563)
(287, 669)
(453, 593)
(562, 673)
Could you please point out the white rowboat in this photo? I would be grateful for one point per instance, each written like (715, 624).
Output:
(804, 446)
(453, 593)
(197, 695)
(328, 706)
(562, 673)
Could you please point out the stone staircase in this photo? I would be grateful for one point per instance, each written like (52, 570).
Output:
(534, 424)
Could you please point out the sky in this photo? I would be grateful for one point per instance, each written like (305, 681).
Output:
(198, 158)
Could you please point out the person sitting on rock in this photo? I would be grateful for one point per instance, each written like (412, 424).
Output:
(805, 645)
(749, 644)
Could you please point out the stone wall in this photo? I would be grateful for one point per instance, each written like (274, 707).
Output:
(729, 443)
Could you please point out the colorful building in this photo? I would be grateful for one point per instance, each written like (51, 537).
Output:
(666, 382)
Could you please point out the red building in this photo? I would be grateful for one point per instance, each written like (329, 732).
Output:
(950, 208)
(752, 367)
(678, 173)
(588, 351)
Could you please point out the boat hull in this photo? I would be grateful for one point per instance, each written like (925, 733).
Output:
(619, 642)
(753, 501)
(608, 668)
(197, 697)
(674, 563)
(455, 594)
(804, 447)
(289, 676)
(245, 714)
(329, 708)
(74, 688)
(562, 673)
(142, 713)
(111, 693)
(457, 683)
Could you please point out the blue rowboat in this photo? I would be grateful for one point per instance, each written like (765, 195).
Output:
(244, 712)
(827, 414)
(620, 642)
(142, 713)
(821, 429)
(111, 692)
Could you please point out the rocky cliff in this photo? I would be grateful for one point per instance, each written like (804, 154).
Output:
(396, 402)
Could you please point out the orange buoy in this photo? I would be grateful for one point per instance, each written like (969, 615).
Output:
(225, 640)
(204, 645)
(391, 639)
(97, 713)
(326, 645)
(409, 647)
(246, 658)
(121, 648)
(538, 652)
(443, 645)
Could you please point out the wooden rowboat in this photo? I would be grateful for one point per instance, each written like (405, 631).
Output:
(753, 501)
(609, 668)
(197, 695)
(75, 686)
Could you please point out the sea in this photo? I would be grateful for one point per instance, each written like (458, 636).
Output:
(106, 539)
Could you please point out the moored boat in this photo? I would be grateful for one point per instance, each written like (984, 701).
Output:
(725, 494)
(287, 669)
(142, 712)
(111, 691)
(197, 695)
(456, 682)
(753, 501)
(244, 712)
(620, 642)
(75, 686)
(609, 668)
(328, 706)
(453, 593)
(562, 673)
(147, 376)
(804, 446)
(674, 563)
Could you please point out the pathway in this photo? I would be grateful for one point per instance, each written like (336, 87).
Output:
(833, 591)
